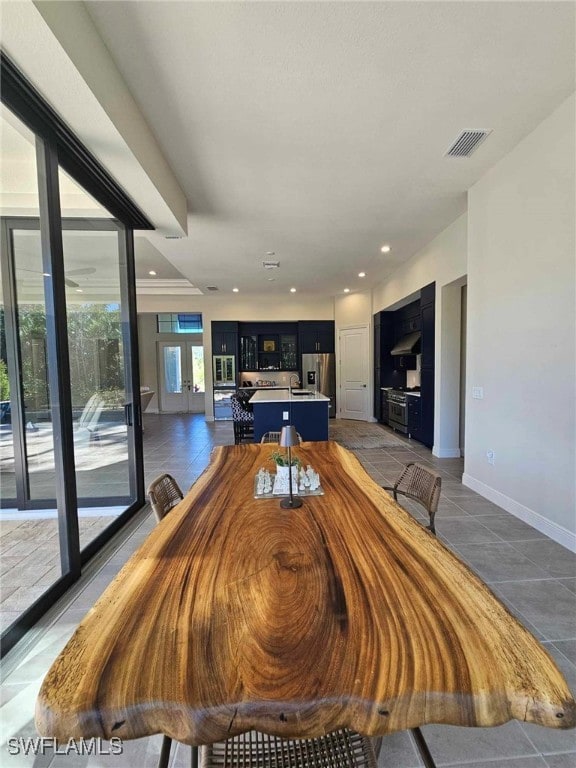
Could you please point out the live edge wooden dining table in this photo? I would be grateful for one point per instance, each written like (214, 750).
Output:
(236, 615)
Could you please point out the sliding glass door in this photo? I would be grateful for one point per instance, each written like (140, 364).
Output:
(70, 421)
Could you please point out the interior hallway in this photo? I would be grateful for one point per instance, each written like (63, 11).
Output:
(533, 575)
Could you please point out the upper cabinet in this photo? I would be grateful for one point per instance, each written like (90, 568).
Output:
(224, 338)
(316, 336)
(268, 347)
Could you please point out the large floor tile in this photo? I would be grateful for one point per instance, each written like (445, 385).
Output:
(499, 562)
(450, 745)
(546, 604)
(567, 648)
(550, 556)
(561, 761)
(478, 506)
(466, 531)
(399, 751)
(510, 528)
(569, 583)
(515, 762)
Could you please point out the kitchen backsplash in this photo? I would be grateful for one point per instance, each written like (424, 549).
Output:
(281, 378)
(413, 377)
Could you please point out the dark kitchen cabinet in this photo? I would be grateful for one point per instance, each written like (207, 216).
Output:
(414, 417)
(316, 336)
(428, 328)
(268, 346)
(428, 332)
(224, 338)
(384, 405)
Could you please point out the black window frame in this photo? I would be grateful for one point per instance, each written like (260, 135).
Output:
(57, 146)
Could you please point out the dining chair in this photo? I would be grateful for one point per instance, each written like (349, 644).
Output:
(242, 417)
(340, 749)
(164, 493)
(274, 437)
(420, 484)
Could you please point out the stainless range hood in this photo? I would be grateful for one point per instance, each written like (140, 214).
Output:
(407, 345)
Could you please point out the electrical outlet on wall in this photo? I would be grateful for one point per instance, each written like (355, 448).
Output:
(491, 456)
(478, 393)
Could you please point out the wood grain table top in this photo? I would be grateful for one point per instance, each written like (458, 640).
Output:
(236, 614)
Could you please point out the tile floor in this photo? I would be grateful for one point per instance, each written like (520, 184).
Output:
(533, 575)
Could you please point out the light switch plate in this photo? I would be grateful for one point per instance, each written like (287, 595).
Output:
(478, 393)
(285, 415)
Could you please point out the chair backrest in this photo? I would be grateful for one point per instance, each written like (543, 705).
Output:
(164, 493)
(241, 411)
(274, 437)
(422, 485)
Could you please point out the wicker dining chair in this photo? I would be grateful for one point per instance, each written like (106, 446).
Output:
(164, 493)
(420, 484)
(274, 437)
(340, 749)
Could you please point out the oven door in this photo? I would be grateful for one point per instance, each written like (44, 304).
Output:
(398, 416)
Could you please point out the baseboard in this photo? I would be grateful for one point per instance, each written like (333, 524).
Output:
(554, 531)
(446, 453)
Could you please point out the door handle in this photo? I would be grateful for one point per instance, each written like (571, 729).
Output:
(128, 414)
(364, 385)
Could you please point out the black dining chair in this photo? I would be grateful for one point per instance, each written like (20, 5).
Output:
(242, 417)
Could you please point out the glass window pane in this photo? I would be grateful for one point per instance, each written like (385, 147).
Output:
(179, 323)
(29, 539)
(173, 370)
(95, 284)
(198, 369)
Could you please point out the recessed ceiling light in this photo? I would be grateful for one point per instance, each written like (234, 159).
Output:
(235, 290)
(292, 290)
(270, 253)
(151, 272)
(79, 290)
(385, 249)
(346, 290)
(271, 279)
(361, 274)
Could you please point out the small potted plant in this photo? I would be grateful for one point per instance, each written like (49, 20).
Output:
(281, 460)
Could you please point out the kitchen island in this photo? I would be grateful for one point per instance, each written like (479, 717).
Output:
(305, 410)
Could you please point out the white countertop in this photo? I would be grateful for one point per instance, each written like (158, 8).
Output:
(275, 386)
(285, 396)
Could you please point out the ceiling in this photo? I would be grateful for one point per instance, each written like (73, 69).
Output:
(318, 131)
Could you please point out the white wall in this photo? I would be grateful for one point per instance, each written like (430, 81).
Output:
(521, 329)
(444, 261)
(352, 311)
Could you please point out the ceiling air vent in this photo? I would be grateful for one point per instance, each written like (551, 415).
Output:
(211, 287)
(270, 264)
(466, 143)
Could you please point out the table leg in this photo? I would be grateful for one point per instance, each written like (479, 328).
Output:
(427, 758)
(194, 761)
(165, 752)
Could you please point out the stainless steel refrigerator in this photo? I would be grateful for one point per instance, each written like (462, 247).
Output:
(319, 375)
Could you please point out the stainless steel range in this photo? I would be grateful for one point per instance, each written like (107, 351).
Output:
(398, 411)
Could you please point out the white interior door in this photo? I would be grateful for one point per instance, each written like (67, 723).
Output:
(181, 376)
(354, 373)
